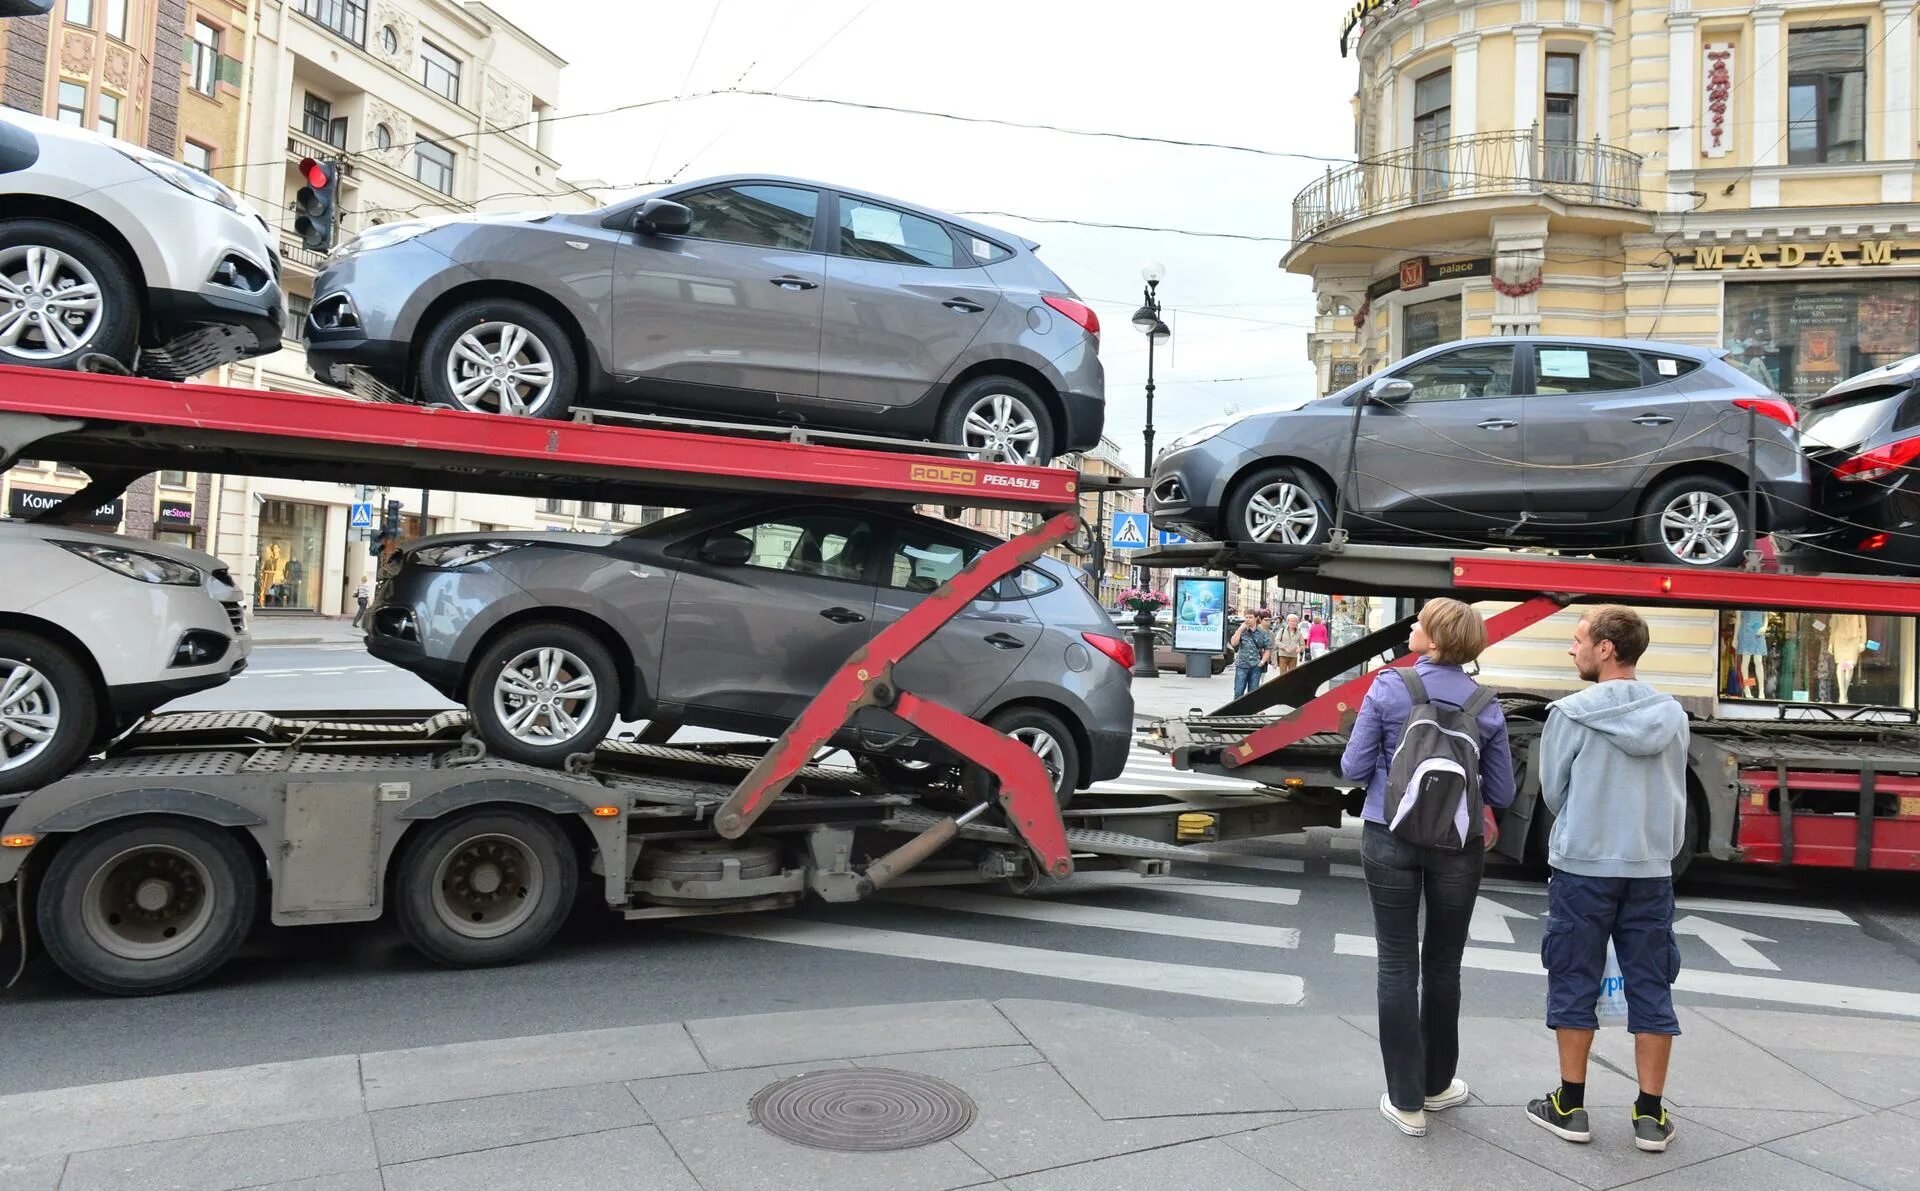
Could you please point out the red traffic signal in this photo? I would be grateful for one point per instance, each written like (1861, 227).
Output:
(317, 173)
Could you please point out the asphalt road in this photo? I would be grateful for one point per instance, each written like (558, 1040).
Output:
(1285, 925)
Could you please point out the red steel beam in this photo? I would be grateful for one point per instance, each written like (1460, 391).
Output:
(318, 427)
(1685, 586)
(1335, 710)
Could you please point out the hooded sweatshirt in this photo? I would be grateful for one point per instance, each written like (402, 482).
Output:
(1614, 772)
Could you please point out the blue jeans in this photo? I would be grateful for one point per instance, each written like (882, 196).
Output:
(1637, 914)
(1245, 679)
(1418, 987)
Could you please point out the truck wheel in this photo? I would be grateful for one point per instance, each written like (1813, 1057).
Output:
(142, 906)
(1049, 739)
(488, 887)
(542, 692)
(48, 712)
(1689, 841)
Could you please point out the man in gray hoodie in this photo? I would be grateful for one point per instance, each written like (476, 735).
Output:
(1613, 769)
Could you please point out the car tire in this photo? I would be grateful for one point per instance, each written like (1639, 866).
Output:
(1031, 726)
(996, 415)
(898, 773)
(42, 681)
(485, 887)
(522, 335)
(545, 658)
(1278, 498)
(110, 327)
(101, 928)
(1685, 504)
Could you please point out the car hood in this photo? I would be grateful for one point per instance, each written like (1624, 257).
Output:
(22, 531)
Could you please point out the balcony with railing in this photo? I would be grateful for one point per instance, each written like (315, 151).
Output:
(1518, 163)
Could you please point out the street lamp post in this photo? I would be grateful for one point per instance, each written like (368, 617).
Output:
(1148, 322)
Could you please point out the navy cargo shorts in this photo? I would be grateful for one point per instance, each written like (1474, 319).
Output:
(1637, 914)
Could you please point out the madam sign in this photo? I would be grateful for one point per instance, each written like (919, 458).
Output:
(1832, 255)
(1360, 11)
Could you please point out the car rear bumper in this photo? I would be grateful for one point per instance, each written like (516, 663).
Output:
(1086, 421)
(1788, 505)
(1109, 752)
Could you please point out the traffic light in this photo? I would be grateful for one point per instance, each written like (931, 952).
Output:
(315, 206)
(388, 530)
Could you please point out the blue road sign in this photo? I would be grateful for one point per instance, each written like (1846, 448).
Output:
(1170, 538)
(360, 515)
(1128, 532)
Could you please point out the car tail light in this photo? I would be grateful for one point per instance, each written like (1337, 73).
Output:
(1876, 541)
(1778, 408)
(1879, 462)
(1079, 313)
(1117, 648)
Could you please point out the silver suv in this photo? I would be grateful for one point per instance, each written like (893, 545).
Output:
(748, 298)
(109, 249)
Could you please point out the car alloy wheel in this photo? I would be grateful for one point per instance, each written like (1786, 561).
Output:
(1700, 527)
(149, 902)
(29, 713)
(1283, 513)
(1001, 428)
(545, 696)
(487, 886)
(50, 303)
(1046, 748)
(500, 367)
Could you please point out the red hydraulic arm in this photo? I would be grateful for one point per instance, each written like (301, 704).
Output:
(866, 680)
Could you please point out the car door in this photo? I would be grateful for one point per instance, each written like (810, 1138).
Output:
(1449, 456)
(903, 301)
(732, 305)
(752, 643)
(1596, 422)
(968, 659)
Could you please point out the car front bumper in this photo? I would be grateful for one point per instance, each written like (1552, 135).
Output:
(365, 309)
(1188, 489)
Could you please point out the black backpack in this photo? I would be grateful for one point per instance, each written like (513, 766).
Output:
(1433, 785)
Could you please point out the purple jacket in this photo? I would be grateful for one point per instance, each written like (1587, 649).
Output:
(1383, 713)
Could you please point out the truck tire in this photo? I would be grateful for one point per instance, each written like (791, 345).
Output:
(1689, 840)
(487, 887)
(45, 690)
(518, 667)
(147, 905)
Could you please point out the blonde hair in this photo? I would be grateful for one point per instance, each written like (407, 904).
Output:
(1456, 630)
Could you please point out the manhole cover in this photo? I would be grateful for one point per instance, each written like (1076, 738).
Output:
(865, 1109)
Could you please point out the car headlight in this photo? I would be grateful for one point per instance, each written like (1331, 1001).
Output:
(460, 554)
(385, 235)
(135, 564)
(1199, 433)
(185, 177)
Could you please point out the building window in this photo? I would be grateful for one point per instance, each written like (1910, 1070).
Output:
(439, 70)
(1342, 374)
(1432, 129)
(433, 165)
(1814, 657)
(297, 307)
(382, 137)
(1563, 117)
(174, 479)
(348, 18)
(80, 12)
(1429, 324)
(292, 555)
(1827, 95)
(198, 156)
(389, 40)
(206, 57)
(108, 121)
(1802, 338)
(318, 121)
(114, 19)
(73, 104)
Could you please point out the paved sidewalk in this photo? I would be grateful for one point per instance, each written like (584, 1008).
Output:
(1067, 1097)
(1172, 695)
(280, 629)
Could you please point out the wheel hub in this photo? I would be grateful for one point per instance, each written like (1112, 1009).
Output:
(153, 894)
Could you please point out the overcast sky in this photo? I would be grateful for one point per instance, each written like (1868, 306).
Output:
(1235, 71)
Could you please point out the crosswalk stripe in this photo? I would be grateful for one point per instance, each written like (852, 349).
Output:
(1103, 918)
(1272, 864)
(1272, 895)
(1220, 984)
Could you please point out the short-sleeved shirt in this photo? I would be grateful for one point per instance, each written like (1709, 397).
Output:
(1253, 643)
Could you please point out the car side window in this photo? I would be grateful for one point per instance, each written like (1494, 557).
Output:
(1669, 367)
(762, 215)
(985, 252)
(824, 545)
(871, 232)
(921, 561)
(1571, 368)
(1482, 371)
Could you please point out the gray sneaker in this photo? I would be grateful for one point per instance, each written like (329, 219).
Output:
(1653, 1133)
(1573, 1126)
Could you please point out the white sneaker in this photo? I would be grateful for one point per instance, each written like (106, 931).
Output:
(1413, 1124)
(1456, 1094)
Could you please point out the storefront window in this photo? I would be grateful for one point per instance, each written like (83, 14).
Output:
(1816, 657)
(1802, 339)
(1429, 324)
(292, 555)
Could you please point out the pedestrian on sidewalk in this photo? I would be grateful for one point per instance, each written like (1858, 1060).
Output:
(1418, 983)
(1319, 640)
(1251, 650)
(1288, 644)
(1613, 770)
(362, 595)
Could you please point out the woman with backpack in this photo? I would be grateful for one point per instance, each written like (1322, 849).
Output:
(1431, 745)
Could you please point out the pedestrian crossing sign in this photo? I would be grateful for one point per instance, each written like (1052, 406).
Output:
(1129, 531)
(360, 516)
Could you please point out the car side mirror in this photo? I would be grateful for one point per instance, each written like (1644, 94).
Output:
(662, 217)
(1390, 390)
(729, 550)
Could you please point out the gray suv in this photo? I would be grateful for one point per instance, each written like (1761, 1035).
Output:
(733, 617)
(747, 298)
(1579, 443)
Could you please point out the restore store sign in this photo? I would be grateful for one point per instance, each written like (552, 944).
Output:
(31, 502)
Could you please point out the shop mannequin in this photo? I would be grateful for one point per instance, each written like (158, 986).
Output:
(1789, 667)
(273, 566)
(1750, 643)
(1845, 641)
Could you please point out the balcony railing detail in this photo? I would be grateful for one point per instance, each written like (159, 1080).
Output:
(1516, 162)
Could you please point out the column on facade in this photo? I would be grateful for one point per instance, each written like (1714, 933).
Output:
(1603, 85)
(1519, 253)
(1526, 90)
(1683, 89)
(1896, 126)
(1769, 59)
(1466, 85)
